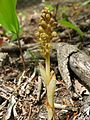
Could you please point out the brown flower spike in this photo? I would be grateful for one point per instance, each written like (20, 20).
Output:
(46, 31)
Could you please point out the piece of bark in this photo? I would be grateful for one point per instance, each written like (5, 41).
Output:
(80, 64)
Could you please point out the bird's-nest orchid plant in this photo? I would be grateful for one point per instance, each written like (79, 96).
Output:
(44, 36)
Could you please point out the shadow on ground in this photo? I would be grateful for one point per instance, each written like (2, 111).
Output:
(25, 3)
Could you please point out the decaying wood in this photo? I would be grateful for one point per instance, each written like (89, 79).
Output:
(78, 61)
(14, 48)
(63, 52)
(80, 64)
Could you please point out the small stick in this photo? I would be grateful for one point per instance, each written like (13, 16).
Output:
(20, 48)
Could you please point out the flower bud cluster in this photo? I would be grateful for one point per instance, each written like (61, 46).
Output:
(46, 31)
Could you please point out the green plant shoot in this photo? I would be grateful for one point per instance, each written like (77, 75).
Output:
(9, 20)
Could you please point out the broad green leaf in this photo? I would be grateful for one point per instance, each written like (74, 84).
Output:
(70, 25)
(8, 17)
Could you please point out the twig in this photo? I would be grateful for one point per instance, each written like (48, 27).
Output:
(56, 11)
(39, 87)
(20, 48)
(20, 79)
(59, 106)
(32, 76)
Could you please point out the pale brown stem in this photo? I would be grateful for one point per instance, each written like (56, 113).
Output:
(50, 89)
(48, 67)
(20, 48)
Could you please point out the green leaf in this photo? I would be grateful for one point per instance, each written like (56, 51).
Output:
(8, 17)
(86, 2)
(70, 25)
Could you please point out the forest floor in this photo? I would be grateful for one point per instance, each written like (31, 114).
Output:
(20, 96)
